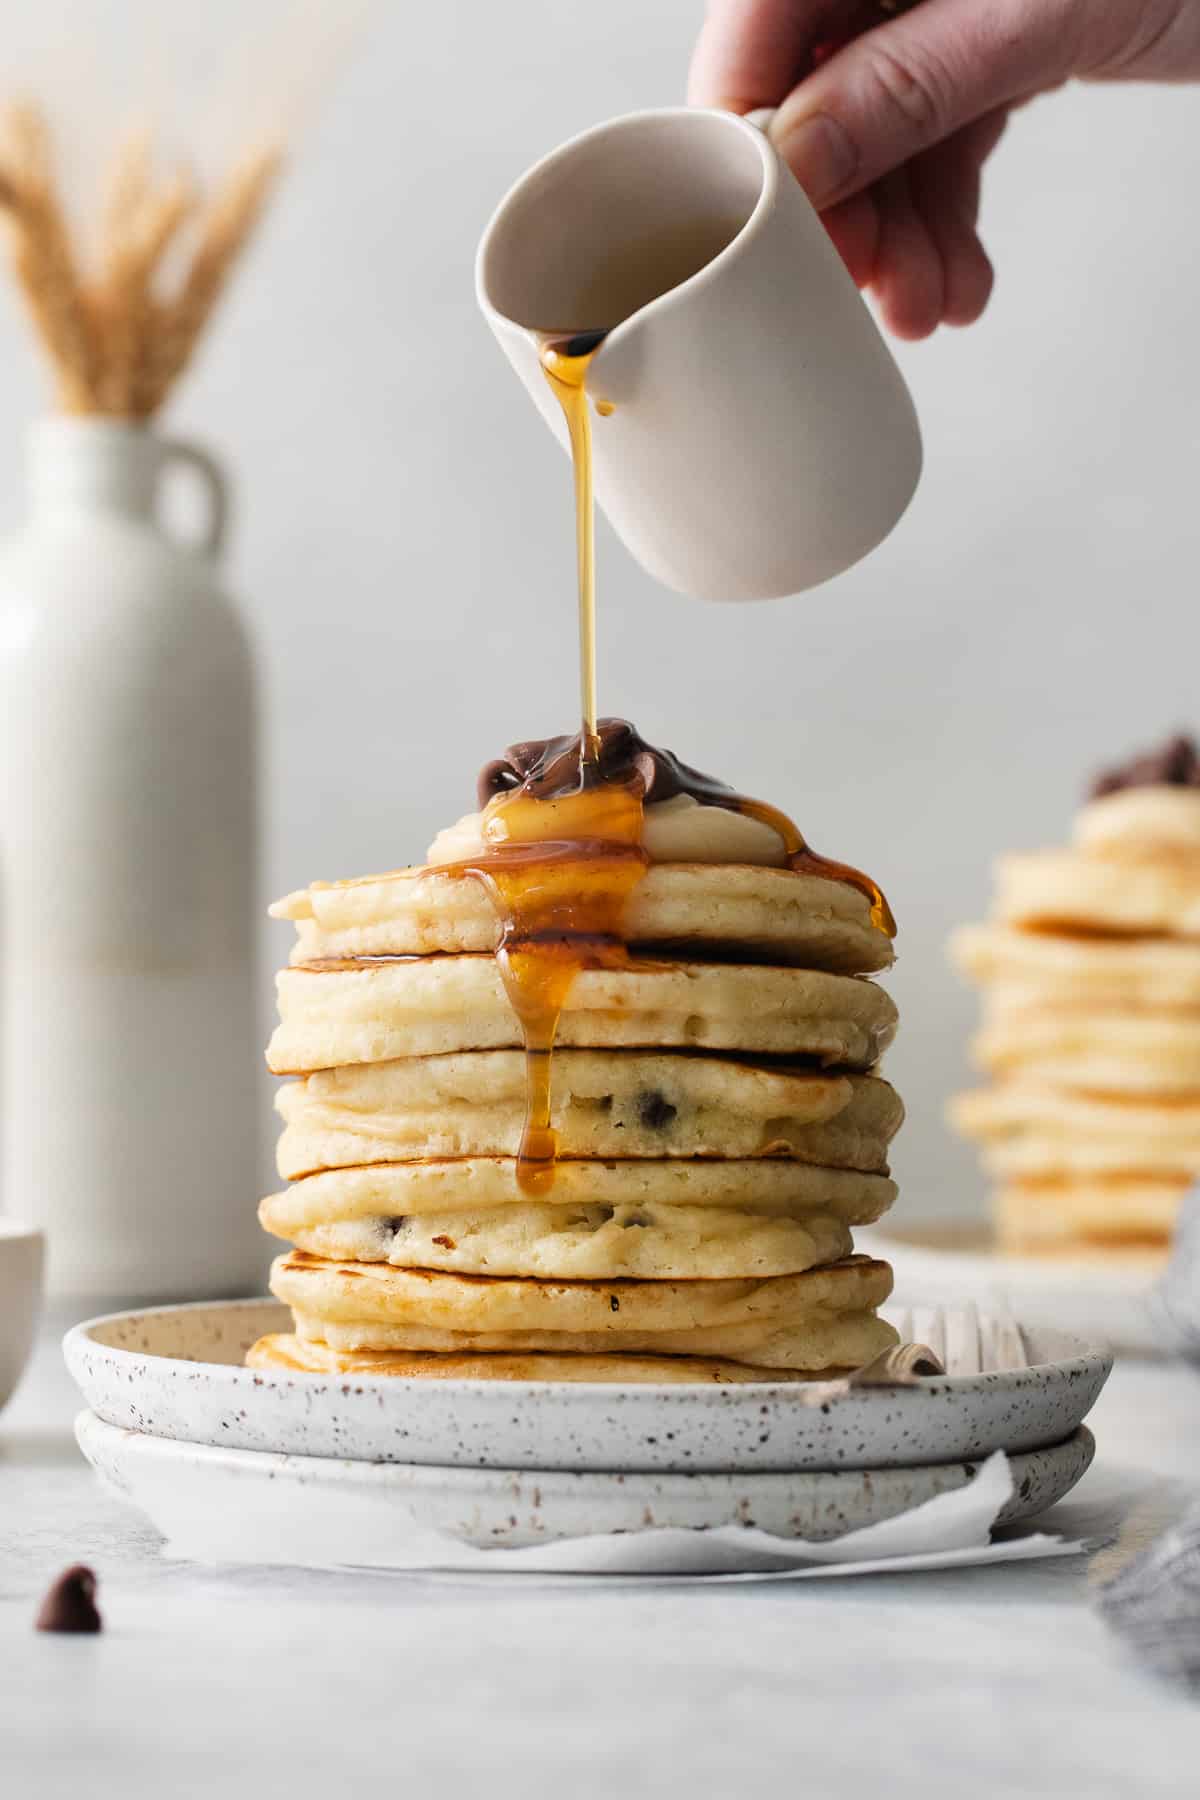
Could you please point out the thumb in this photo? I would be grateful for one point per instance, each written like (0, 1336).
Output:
(905, 86)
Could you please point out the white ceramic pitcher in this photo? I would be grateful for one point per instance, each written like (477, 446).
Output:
(761, 437)
(127, 823)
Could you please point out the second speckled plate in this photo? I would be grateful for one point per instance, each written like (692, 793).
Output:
(175, 1372)
(245, 1506)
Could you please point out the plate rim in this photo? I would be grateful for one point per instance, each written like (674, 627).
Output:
(78, 1341)
(468, 1476)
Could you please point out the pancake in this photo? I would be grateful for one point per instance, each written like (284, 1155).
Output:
(1120, 1052)
(817, 1345)
(1134, 867)
(769, 1188)
(584, 1243)
(1103, 972)
(696, 909)
(821, 1319)
(286, 1351)
(604, 1104)
(436, 1005)
(1027, 1129)
(1122, 1215)
(1091, 972)
(1158, 819)
(1084, 891)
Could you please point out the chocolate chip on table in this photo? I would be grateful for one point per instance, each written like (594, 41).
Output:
(655, 1110)
(70, 1602)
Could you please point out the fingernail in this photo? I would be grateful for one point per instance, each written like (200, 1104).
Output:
(821, 155)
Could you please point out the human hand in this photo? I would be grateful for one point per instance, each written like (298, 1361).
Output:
(888, 117)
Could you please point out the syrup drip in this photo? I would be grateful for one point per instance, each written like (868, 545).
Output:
(560, 899)
(806, 861)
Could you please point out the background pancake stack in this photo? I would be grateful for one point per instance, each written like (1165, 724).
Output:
(1090, 968)
(720, 1133)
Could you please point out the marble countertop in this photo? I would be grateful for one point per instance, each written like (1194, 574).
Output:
(977, 1682)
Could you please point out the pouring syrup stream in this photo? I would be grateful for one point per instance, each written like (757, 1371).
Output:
(561, 865)
(565, 363)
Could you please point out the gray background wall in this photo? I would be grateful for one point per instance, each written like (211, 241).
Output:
(404, 535)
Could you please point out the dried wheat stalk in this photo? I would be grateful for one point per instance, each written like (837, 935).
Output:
(225, 228)
(44, 260)
(118, 343)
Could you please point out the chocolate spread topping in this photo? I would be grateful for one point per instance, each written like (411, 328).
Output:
(551, 767)
(1175, 764)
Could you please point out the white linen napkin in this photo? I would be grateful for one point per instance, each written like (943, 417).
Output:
(948, 1531)
(1175, 1302)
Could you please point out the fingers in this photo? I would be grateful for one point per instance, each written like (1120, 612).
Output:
(946, 183)
(967, 274)
(930, 268)
(897, 91)
(981, 138)
(889, 134)
(751, 52)
(854, 227)
(909, 281)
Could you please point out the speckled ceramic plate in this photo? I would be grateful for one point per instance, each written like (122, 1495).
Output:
(251, 1506)
(1104, 1301)
(175, 1372)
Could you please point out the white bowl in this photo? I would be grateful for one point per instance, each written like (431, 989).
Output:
(22, 1250)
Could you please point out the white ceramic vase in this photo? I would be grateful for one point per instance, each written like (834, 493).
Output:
(127, 823)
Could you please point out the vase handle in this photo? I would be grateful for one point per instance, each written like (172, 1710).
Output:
(181, 453)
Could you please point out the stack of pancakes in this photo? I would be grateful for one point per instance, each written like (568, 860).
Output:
(720, 1133)
(1090, 968)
